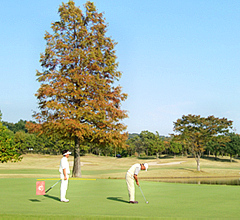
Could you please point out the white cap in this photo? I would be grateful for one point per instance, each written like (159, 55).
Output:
(67, 153)
(146, 166)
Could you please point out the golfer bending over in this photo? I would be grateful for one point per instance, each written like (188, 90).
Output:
(131, 175)
(64, 175)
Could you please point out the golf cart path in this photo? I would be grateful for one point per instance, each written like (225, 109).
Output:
(164, 164)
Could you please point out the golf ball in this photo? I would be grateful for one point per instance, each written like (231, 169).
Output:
(147, 202)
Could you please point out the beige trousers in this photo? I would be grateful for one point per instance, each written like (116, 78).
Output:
(131, 187)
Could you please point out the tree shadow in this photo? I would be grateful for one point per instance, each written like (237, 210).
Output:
(220, 159)
(146, 158)
(190, 170)
(52, 197)
(236, 158)
(165, 157)
(118, 199)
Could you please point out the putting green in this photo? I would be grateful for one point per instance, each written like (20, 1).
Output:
(106, 199)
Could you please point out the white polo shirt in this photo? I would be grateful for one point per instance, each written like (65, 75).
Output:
(134, 170)
(64, 165)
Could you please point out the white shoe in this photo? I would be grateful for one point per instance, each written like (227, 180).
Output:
(65, 200)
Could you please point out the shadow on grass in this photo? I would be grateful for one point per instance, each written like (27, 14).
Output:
(118, 199)
(52, 197)
(220, 159)
(163, 157)
(191, 170)
(34, 200)
(146, 158)
(166, 157)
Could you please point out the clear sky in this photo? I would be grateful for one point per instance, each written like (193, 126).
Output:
(177, 57)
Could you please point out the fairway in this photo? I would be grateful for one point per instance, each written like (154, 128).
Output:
(105, 198)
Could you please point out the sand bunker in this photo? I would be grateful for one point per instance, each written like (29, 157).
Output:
(165, 164)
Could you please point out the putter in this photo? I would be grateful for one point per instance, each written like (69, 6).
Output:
(52, 186)
(143, 195)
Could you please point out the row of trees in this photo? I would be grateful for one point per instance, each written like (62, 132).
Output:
(220, 148)
(198, 136)
(196, 144)
(149, 144)
(26, 142)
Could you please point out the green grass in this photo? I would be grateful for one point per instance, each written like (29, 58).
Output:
(28, 171)
(106, 199)
(99, 172)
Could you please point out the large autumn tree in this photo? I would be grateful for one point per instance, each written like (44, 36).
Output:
(196, 131)
(78, 96)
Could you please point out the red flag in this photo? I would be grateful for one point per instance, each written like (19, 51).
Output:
(40, 188)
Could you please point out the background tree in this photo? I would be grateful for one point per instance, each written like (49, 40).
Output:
(20, 138)
(166, 144)
(213, 148)
(158, 146)
(217, 145)
(8, 149)
(131, 135)
(77, 97)
(148, 139)
(175, 147)
(197, 131)
(233, 146)
(130, 146)
(136, 143)
(15, 127)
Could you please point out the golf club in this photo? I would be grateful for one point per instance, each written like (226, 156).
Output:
(52, 186)
(143, 195)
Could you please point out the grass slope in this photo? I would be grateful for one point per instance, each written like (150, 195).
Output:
(46, 166)
(102, 199)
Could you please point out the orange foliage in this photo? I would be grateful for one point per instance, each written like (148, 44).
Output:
(77, 97)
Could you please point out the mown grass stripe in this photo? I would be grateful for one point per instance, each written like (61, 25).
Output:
(69, 179)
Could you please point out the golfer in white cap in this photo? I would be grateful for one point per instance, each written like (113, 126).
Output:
(131, 175)
(64, 175)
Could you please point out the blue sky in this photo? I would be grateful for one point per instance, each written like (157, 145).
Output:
(177, 57)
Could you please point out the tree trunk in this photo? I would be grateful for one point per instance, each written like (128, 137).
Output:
(198, 162)
(77, 165)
